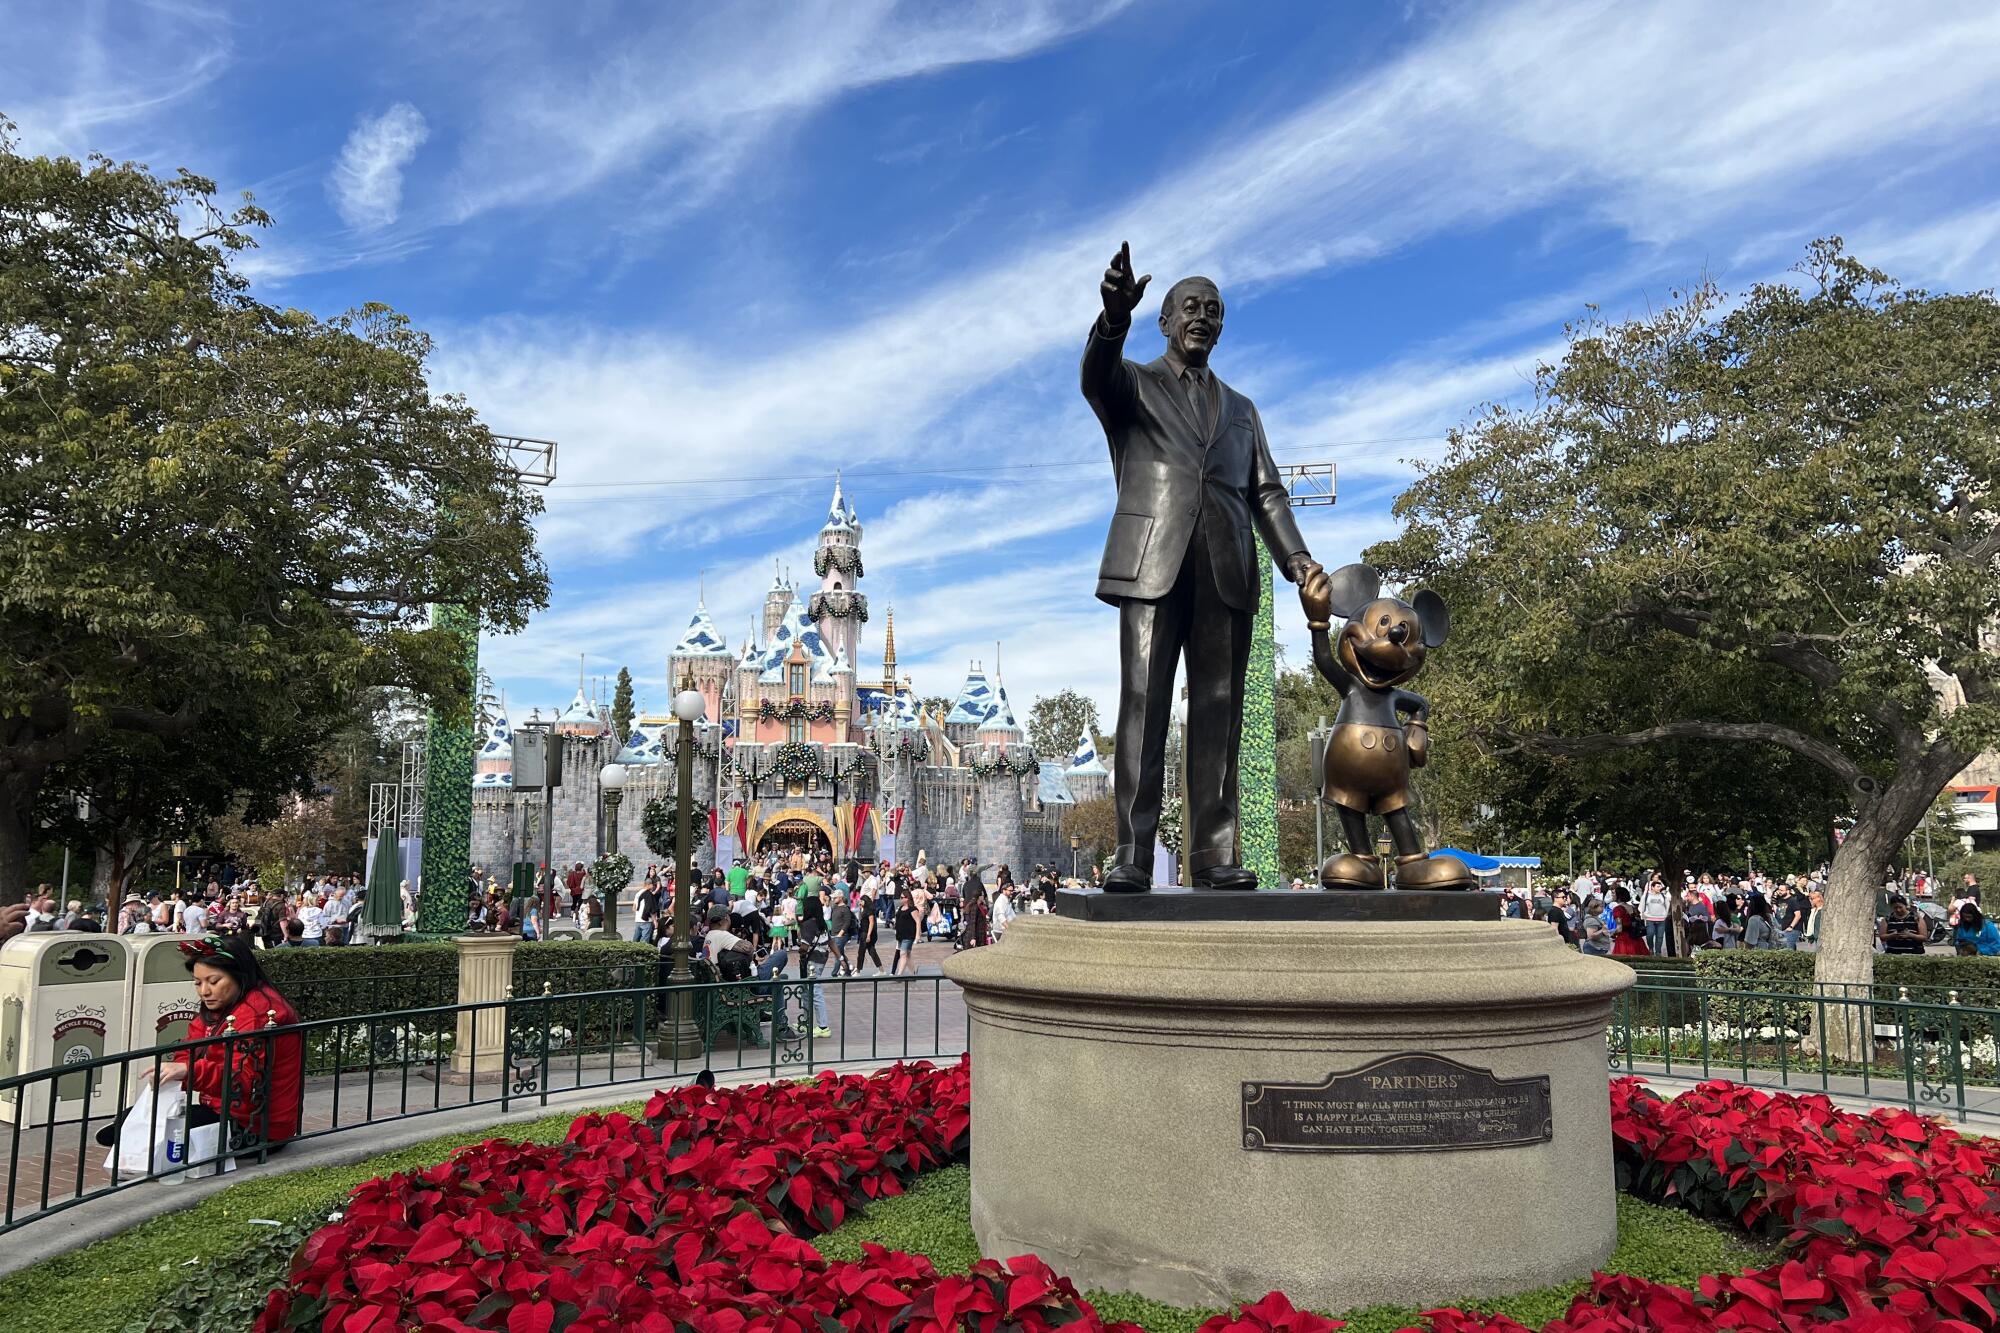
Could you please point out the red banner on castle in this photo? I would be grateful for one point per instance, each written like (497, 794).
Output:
(861, 809)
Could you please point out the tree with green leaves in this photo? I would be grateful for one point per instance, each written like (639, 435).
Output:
(1095, 824)
(1056, 722)
(1759, 523)
(621, 706)
(221, 522)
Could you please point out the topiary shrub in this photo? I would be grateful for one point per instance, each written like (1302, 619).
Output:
(1929, 977)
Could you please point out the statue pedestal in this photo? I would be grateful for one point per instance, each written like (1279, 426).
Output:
(1350, 1111)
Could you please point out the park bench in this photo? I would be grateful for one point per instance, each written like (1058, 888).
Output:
(739, 1008)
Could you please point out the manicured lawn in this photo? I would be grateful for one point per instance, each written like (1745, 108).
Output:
(1662, 1244)
(123, 1279)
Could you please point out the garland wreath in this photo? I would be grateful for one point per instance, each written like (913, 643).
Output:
(797, 761)
(656, 826)
(612, 872)
(1003, 762)
(838, 606)
(843, 558)
(795, 710)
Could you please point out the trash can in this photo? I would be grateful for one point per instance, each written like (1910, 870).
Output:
(162, 1001)
(63, 1000)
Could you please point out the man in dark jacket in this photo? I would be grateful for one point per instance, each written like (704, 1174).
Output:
(1196, 487)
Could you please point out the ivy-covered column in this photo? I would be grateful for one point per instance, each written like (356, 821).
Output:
(1257, 765)
(448, 751)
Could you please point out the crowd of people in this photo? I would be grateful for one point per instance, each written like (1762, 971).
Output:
(320, 910)
(1619, 916)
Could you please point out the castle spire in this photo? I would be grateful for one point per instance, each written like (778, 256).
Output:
(838, 510)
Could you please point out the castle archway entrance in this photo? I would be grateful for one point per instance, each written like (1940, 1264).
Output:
(794, 829)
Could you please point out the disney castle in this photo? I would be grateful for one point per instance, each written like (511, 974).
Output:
(798, 749)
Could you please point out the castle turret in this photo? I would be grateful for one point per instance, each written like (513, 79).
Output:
(838, 609)
(777, 599)
(703, 657)
(889, 657)
(1088, 779)
(970, 710)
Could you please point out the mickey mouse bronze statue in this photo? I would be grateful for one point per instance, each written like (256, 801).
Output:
(1371, 750)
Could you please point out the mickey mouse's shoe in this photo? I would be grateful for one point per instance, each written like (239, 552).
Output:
(1348, 871)
(1434, 874)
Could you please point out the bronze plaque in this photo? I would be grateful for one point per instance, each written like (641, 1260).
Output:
(1404, 1103)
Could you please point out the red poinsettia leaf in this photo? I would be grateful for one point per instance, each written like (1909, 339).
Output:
(1796, 1284)
(531, 1316)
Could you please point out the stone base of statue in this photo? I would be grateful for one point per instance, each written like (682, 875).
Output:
(1351, 1111)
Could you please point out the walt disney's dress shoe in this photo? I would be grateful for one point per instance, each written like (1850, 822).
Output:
(1225, 877)
(1128, 879)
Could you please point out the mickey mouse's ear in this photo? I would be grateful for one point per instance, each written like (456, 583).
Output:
(1354, 586)
(1433, 616)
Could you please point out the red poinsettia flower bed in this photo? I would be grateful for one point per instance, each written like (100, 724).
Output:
(692, 1220)
(686, 1221)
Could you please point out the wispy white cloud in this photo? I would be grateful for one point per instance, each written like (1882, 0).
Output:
(366, 185)
(77, 79)
(692, 97)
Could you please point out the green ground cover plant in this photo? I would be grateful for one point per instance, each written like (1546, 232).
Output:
(1657, 1243)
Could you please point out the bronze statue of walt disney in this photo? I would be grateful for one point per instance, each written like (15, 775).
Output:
(1372, 749)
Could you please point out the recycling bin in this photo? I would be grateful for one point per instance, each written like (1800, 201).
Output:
(162, 1000)
(63, 998)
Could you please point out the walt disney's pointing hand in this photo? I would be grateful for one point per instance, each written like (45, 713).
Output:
(1122, 293)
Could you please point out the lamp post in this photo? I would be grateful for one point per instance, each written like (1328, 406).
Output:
(1075, 844)
(1569, 836)
(1383, 846)
(180, 851)
(611, 781)
(682, 1038)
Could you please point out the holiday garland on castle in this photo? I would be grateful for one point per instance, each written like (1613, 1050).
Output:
(1001, 761)
(795, 710)
(797, 761)
(838, 606)
(843, 558)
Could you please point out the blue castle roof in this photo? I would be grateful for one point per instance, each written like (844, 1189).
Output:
(1085, 760)
(1053, 785)
(795, 628)
(976, 700)
(702, 638)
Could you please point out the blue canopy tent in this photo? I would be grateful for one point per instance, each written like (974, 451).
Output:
(1489, 866)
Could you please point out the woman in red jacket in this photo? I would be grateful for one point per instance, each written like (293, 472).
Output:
(257, 1071)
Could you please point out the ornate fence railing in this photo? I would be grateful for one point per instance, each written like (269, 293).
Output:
(505, 1054)
(1897, 1049)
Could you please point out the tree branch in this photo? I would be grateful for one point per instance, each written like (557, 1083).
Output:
(1790, 652)
(1767, 733)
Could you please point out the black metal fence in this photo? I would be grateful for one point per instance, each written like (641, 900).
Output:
(505, 1054)
(1933, 1054)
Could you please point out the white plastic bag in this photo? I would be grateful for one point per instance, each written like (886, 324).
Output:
(204, 1142)
(144, 1146)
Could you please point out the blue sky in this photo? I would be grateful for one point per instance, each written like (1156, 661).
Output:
(719, 251)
